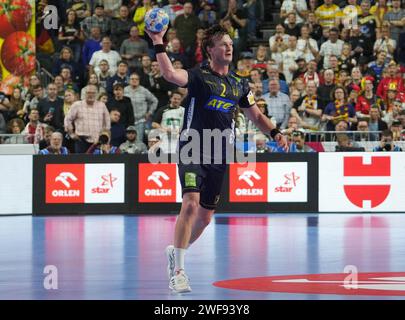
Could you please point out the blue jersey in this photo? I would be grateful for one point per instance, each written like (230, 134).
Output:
(211, 102)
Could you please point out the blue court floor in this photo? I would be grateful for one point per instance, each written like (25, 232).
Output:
(238, 257)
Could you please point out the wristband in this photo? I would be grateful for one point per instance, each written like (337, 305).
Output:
(159, 48)
(274, 132)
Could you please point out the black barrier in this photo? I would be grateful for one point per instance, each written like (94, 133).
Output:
(131, 202)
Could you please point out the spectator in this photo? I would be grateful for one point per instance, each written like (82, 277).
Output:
(378, 65)
(360, 45)
(91, 45)
(120, 28)
(34, 130)
(46, 141)
(387, 143)
(99, 19)
(103, 97)
(363, 129)
(367, 99)
(345, 60)
(375, 123)
(272, 73)
(315, 29)
(397, 130)
(333, 46)
(379, 10)
(144, 103)
(93, 80)
(120, 77)
(289, 56)
(105, 53)
(159, 86)
(392, 80)
(169, 118)
(238, 19)
(291, 27)
(187, 25)
(207, 16)
(122, 104)
(145, 70)
(384, 43)
(311, 74)
(251, 128)
(51, 108)
(139, 16)
(325, 90)
(132, 145)
(154, 142)
(298, 7)
(68, 82)
(328, 14)
(69, 35)
(103, 145)
(278, 104)
(104, 75)
(16, 106)
(396, 19)
(308, 110)
(112, 7)
(261, 143)
(173, 10)
(86, 119)
(307, 45)
(197, 52)
(117, 128)
(133, 49)
(176, 54)
(55, 146)
(38, 92)
(65, 60)
(298, 138)
(345, 144)
(367, 22)
(278, 43)
(60, 86)
(15, 126)
(82, 9)
(339, 109)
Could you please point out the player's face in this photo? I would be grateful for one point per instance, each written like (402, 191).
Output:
(222, 51)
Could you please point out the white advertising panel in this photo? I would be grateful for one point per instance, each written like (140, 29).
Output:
(361, 182)
(105, 183)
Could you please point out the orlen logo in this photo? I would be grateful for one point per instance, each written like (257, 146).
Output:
(248, 183)
(64, 183)
(157, 182)
(366, 180)
(290, 182)
(106, 185)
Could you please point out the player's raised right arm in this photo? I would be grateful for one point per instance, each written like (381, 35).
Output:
(176, 76)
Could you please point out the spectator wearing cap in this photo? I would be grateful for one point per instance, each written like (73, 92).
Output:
(331, 47)
(118, 130)
(392, 80)
(133, 48)
(339, 109)
(122, 104)
(98, 19)
(307, 45)
(120, 77)
(105, 53)
(367, 98)
(298, 7)
(396, 19)
(132, 145)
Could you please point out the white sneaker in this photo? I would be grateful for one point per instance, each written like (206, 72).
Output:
(179, 283)
(170, 261)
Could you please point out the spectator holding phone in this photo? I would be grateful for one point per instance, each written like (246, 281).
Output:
(51, 108)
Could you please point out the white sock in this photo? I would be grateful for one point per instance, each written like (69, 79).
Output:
(179, 254)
